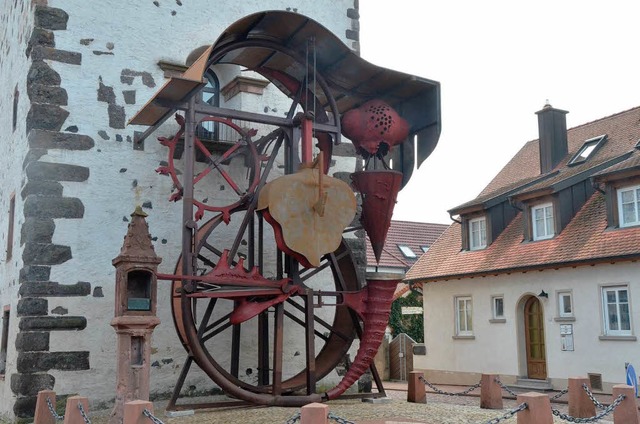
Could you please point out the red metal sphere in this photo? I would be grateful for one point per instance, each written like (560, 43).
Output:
(373, 124)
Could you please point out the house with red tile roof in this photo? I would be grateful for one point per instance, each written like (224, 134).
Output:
(538, 278)
(406, 242)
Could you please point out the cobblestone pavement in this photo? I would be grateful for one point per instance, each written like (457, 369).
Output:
(440, 409)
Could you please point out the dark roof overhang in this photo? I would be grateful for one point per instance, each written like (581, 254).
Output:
(628, 167)
(486, 202)
(278, 41)
(564, 183)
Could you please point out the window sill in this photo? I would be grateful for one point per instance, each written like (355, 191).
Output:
(498, 320)
(464, 337)
(618, 338)
(564, 319)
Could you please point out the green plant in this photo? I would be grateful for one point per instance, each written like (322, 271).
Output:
(412, 325)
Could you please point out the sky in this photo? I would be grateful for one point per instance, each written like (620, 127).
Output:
(498, 62)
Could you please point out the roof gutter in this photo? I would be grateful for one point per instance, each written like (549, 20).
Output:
(540, 267)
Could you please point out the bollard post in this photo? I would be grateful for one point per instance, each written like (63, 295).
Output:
(416, 392)
(43, 414)
(133, 412)
(490, 392)
(627, 411)
(72, 413)
(580, 406)
(538, 409)
(314, 413)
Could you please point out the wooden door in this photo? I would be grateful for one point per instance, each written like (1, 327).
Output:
(534, 331)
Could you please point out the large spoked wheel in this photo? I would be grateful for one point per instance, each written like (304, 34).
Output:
(267, 358)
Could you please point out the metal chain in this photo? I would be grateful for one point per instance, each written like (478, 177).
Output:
(294, 419)
(338, 419)
(508, 390)
(441, 392)
(84, 415)
(593, 399)
(559, 395)
(593, 419)
(509, 414)
(149, 415)
(53, 411)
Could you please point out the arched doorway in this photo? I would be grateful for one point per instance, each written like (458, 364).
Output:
(534, 339)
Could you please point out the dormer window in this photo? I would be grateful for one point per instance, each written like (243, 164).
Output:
(629, 206)
(477, 233)
(542, 223)
(588, 149)
(407, 252)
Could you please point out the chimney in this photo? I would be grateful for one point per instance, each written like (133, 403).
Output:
(552, 128)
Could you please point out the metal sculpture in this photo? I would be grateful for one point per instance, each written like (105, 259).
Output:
(240, 291)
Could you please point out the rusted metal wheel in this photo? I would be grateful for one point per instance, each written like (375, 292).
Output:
(263, 357)
(231, 159)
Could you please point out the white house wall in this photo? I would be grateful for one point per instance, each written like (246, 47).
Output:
(495, 347)
(107, 58)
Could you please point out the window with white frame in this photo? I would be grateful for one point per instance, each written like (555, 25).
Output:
(464, 322)
(477, 233)
(407, 252)
(616, 313)
(542, 221)
(565, 304)
(497, 307)
(629, 206)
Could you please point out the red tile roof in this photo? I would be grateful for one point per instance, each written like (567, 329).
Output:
(585, 240)
(622, 130)
(412, 234)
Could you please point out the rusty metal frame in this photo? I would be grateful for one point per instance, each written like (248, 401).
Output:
(196, 336)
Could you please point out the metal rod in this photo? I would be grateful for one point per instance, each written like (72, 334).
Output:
(235, 346)
(278, 342)
(319, 320)
(171, 406)
(188, 224)
(300, 322)
(263, 349)
(310, 344)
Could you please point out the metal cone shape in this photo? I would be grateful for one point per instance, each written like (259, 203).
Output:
(379, 189)
(374, 309)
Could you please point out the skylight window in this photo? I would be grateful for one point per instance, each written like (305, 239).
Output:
(424, 248)
(587, 149)
(406, 251)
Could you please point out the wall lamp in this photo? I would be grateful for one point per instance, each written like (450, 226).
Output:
(543, 294)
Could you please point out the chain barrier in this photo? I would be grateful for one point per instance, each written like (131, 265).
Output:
(509, 414)
(592, 397)
(151, 417)
(338, 419)
(593, 419)
(84, 415)
(559, 395)
(505, 388)
(293, 419)
(53, 411)
(441, 392)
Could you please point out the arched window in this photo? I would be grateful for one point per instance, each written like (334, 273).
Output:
(210, 94)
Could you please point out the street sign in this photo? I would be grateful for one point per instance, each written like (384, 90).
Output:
(411, 310)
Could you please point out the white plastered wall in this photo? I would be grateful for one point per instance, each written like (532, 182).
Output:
(496, 348)
(141, 34)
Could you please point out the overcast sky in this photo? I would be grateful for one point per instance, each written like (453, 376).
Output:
(498, 62)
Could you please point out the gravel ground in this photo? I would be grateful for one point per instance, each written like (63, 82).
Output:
(440, 409)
